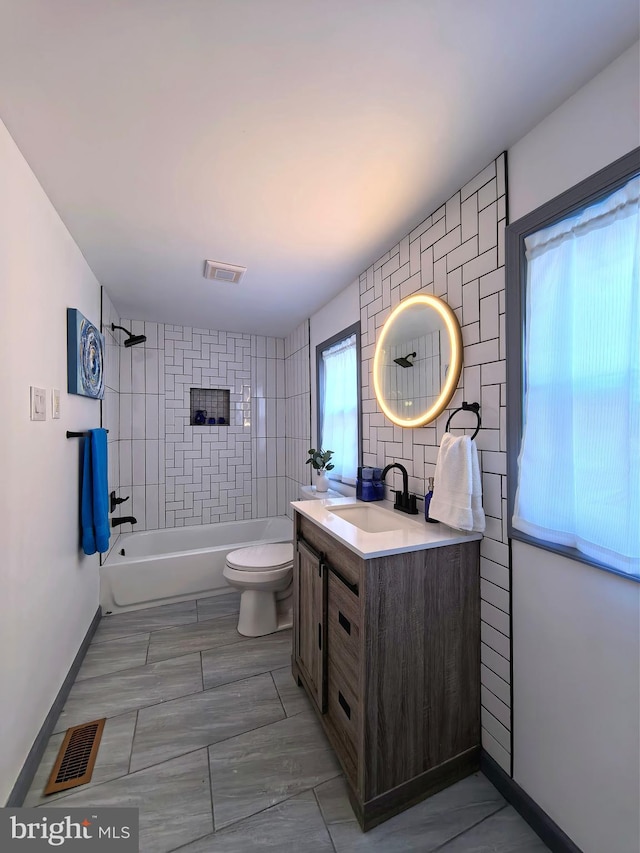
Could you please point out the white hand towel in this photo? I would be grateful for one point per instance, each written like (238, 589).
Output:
(457, 489)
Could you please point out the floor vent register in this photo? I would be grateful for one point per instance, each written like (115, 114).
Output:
(77, 756)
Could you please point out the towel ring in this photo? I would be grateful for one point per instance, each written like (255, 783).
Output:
(467, 407)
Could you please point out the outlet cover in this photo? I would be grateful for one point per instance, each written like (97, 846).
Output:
(38, 404)
(55, 403)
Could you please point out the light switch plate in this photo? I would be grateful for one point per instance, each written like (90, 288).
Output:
(55, 403)
(38, 404)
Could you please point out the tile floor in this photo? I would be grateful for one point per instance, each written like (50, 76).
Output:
(209, 736)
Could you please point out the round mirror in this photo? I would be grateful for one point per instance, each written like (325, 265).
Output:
(417, 362)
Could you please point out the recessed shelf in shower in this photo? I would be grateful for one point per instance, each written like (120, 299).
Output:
(209, 407)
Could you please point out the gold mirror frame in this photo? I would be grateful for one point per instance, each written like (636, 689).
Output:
(455, 366)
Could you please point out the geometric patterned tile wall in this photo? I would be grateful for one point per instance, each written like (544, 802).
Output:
(457, 253)
(297, 412)
(208, 468)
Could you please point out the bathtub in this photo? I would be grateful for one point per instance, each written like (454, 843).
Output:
(164, 566)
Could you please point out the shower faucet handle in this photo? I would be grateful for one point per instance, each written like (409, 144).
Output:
(114, 501)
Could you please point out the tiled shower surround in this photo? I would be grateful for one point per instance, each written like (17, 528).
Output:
(457, 253)
(180, 475)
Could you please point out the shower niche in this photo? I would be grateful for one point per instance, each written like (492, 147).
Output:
(209, 407)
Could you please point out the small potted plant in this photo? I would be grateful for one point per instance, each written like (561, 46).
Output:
(320, 460)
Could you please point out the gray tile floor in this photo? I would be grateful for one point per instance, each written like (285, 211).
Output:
(209, 736)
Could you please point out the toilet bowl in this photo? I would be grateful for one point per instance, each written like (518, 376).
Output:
(264, 576)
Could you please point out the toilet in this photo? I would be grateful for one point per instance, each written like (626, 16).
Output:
(264, 576)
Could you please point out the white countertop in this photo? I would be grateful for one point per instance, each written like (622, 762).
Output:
(312, 492)
(413, 533)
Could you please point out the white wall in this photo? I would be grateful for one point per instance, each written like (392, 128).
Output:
(600, 123)
(576, 629)
(49, 591)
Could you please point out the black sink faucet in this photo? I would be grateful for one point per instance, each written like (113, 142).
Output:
(127, 518)
(404, 501)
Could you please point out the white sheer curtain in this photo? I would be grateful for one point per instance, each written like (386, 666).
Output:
(339, 427)
(579, 463)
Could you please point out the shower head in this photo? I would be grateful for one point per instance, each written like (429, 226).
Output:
(132, 340)
(403, 361)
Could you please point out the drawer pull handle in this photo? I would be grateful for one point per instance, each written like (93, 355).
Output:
(353, 587)
(344, 705)
(344, 622)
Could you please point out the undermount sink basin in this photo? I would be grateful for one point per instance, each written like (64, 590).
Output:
(371, 519)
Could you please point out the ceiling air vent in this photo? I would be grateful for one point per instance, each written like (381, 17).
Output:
(223, 272)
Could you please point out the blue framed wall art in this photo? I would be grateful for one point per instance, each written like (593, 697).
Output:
(85, 356)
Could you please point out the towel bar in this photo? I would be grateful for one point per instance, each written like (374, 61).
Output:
(78, 434)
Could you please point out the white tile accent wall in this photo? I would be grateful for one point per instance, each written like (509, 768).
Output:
(180, 475)
(457, 253)
(208, 468)
(297, 412)
(142, 408)
(111, 400)
(264, 404)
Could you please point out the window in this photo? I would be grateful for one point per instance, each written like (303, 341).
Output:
(577, 432)
(338, 378)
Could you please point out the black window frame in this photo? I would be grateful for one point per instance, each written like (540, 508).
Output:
(568, 203)
(353, 329)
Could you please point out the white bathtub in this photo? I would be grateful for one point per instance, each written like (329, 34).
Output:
(163, 566)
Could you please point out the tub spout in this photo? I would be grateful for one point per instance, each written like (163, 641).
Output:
(127, 518)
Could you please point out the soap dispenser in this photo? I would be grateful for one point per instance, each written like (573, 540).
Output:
(364, 486)
(427, 501)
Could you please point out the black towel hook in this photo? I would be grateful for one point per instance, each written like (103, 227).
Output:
(467, 407)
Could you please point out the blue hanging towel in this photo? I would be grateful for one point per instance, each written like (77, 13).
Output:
(95, 493)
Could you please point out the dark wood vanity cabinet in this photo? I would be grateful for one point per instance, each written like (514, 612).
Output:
(311, 648)
(388, 649)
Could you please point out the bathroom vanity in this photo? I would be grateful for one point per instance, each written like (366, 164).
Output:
(386, 641)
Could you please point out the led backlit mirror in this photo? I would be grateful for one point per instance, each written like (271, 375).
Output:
(417, 362)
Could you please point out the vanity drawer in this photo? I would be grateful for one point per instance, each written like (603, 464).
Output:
(343, 624)
(343, 718)
(341, 558)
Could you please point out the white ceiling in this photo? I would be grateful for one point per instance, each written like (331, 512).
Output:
(298, 138)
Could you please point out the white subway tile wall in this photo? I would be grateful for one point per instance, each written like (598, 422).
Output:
(179, 475)
(110, 406)
(297, 412)
(263, 406)
(457, 253)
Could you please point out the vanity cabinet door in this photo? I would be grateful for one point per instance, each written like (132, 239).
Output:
(311, 629)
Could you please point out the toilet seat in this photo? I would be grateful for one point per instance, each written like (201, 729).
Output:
(262, 558)
(264, 575)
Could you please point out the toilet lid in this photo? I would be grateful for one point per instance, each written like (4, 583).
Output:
(261, 558)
